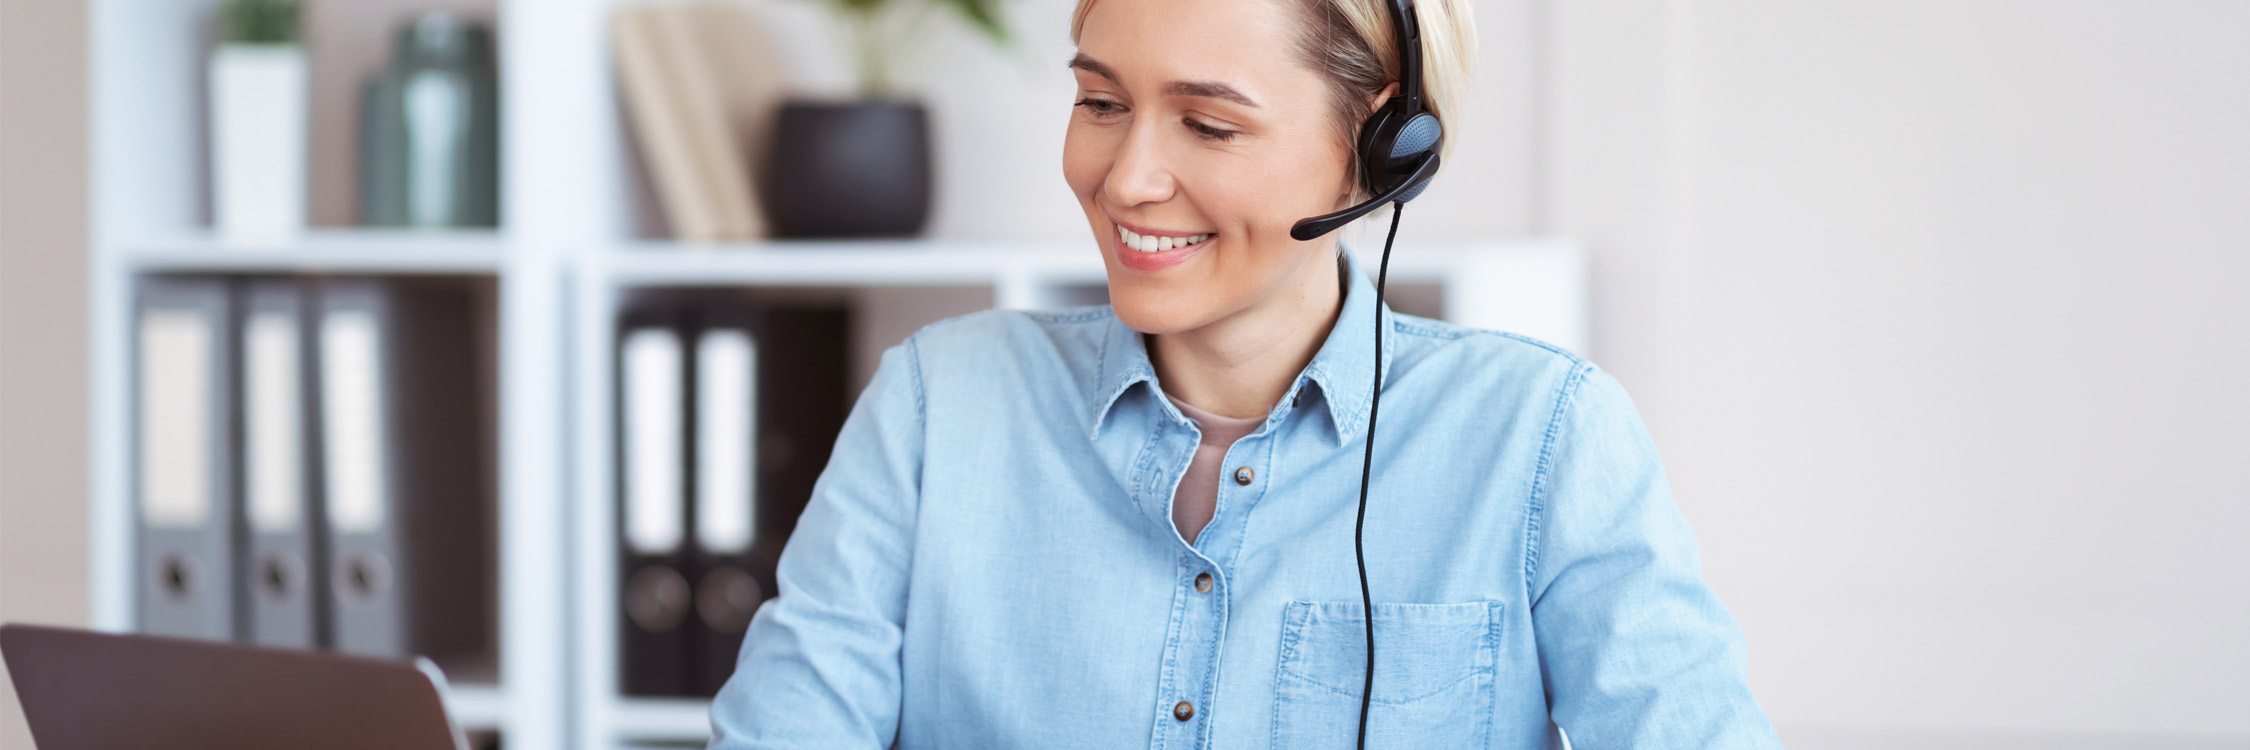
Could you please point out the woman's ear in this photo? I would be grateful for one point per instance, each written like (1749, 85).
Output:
(1380, 97)
(1351, 181)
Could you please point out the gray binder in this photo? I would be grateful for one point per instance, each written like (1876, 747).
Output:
(282, 567)
(183, 458)
(402, 469)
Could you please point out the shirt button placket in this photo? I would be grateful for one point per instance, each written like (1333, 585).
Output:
(1191, 657)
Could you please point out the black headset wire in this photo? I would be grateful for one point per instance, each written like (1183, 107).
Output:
(1367, 466)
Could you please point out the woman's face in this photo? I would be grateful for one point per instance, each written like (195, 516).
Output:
(1197, 129)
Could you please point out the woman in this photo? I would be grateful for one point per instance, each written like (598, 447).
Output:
(1131, 525)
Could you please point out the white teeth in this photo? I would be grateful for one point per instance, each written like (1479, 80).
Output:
(1151, 243)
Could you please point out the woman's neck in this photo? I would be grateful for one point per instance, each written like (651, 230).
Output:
(1240, 365)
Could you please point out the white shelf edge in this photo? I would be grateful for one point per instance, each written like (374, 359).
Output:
(477, 707)
(341, 250)
(660, 719)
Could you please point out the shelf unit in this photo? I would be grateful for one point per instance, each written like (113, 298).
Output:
(563, 261)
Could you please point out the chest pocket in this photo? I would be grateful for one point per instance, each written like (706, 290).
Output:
(1434, 672)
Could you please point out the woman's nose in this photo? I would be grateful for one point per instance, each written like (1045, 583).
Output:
(1142, 173)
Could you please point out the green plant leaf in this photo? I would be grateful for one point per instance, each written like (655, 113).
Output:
(983, 14)
(259, 21)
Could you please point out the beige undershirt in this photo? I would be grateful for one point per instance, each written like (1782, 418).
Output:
(1198, 495)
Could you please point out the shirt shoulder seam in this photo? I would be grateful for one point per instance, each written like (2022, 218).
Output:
(1535, 514)
(914, 369)
(1441, 330)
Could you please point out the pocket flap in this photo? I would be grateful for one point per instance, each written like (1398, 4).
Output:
(1421, 648)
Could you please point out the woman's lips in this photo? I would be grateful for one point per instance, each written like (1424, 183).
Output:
(1142, 260)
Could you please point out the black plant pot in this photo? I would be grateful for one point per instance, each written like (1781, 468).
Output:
(851, 169)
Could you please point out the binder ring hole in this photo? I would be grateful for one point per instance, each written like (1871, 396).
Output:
(657, 598)
(180, 576)
(728, 598)
(281, 576)
(365, 577)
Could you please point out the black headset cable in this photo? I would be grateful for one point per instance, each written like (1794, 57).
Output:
(1359, 550)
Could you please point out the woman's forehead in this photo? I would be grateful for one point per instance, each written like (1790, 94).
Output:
(1248, 46)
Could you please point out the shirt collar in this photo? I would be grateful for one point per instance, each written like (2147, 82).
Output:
(1340, 369)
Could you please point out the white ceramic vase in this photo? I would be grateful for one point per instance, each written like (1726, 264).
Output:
(257, 134)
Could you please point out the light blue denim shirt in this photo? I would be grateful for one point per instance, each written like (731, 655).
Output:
(989, 559)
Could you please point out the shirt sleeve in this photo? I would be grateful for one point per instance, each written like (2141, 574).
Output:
(1634, 647)
(819, 666)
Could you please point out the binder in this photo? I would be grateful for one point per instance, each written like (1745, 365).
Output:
(184, 458)
(282, 563)
(770, 396)
(402, 473)
(723, 513)
(652, 434)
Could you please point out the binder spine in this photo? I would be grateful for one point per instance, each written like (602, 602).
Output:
(184, 459)
(723, 516)
(282, 571)
(363, 585)
(402, 480)
(797, 401)
(654, 592)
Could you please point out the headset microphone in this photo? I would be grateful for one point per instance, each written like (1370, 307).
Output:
(1397, 149)
(1306, 229)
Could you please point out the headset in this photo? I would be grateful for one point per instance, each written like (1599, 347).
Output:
(1398, 154)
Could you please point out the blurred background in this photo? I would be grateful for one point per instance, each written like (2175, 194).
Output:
(1938, 311)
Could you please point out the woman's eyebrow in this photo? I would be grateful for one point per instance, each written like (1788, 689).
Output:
(1211, 89)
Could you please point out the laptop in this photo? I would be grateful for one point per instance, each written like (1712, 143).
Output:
(83, 690)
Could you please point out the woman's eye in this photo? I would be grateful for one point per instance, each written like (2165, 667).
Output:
(1207, 132)
(1099, 107)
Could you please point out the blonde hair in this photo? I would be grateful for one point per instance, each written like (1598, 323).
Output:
(1353, 45)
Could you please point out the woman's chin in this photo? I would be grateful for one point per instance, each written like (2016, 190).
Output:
(1155, 313)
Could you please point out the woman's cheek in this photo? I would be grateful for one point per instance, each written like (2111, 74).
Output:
(1085, 162)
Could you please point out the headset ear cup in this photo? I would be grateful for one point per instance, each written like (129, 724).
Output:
(1415, 142)
(1375, 137)
(1420, 134)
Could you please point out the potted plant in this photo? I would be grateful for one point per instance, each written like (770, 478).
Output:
(257, 125)
(861, 167)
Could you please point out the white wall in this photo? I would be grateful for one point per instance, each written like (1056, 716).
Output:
(1940, 311)
(42, 322)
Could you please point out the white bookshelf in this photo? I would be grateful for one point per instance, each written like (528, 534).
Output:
(559, 269)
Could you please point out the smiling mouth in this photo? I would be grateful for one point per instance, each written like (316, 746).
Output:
(1149, 243)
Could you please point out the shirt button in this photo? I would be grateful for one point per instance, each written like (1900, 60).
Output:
(1203, 582)
(1183, 711)
(1243, 475)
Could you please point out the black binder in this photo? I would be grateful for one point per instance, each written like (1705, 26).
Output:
(798, 400)
(654, 594)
